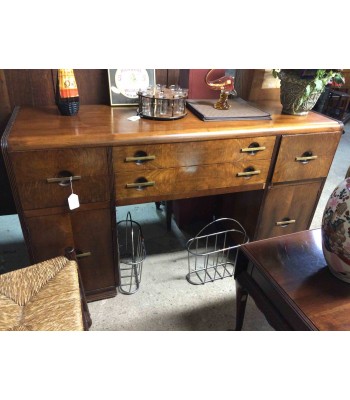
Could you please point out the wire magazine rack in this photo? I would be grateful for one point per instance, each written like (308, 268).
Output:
(132, 253)
(213, 252)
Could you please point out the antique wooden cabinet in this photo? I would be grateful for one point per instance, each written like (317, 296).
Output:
(266, 174)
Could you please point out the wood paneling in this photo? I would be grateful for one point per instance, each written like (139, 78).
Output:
(5, 108)
(33, 87)
(243, 82)
(92, 86)
(264, 86)
(7, 205)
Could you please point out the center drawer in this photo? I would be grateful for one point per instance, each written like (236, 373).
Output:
(173, 155)
(184, 180)
(42, 177)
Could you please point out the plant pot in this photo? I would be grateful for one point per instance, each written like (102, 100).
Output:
(292, 90)
(336, 231)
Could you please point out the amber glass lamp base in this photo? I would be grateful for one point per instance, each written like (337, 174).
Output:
(222, 103)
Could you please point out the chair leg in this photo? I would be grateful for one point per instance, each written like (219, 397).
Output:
(87, 321)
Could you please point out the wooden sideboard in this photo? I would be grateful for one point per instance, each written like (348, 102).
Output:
(267, 174)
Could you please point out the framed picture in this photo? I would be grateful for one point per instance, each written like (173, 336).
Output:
(125, 83)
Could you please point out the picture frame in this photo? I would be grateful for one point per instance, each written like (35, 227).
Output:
(125, 83)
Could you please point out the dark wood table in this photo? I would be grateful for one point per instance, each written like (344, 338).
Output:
(290, 282)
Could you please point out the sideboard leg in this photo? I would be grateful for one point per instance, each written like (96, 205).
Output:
(241, 302)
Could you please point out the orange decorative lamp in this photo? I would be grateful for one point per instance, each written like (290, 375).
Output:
(225, 84)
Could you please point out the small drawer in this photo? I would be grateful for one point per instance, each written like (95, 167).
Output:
(305, 156)
(43, 176)
(186, 180)
(172, 155)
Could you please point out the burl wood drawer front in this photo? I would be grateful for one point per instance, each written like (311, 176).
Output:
(172, 155)
(305, 156)
(39, 176)
(158, 182)
(288, 209)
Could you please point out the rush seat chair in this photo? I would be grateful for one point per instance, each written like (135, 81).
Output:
(47, 296)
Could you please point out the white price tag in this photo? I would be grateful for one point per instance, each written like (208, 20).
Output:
(134, 118)
(73, 201)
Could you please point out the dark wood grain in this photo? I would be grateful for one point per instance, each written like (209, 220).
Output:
(292, 274)
(243, 207)
(93, 86)
(32, 87)
(88, 231)
(167, 76)
(288, 202)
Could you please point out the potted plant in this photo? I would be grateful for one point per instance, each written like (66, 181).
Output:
(301, 88)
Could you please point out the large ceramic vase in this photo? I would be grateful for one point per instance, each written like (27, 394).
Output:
(336, 231)
(292, 90)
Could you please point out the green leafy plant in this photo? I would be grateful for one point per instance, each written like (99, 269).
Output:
(317, 79)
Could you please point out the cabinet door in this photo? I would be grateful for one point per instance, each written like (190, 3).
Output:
(288, 209)
(90, 233)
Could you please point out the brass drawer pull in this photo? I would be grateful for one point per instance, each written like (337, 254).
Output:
(285, 223)
(249, 173)
(307, 158)
(140, 159)
(251, 149)
(82, 255)
(64, 179)
(140, 184)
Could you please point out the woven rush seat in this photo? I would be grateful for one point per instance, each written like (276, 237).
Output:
(42, 297)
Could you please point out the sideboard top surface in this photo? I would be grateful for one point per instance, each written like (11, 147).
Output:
(101, 125)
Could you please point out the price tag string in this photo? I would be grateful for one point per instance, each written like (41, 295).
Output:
(71, 184)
